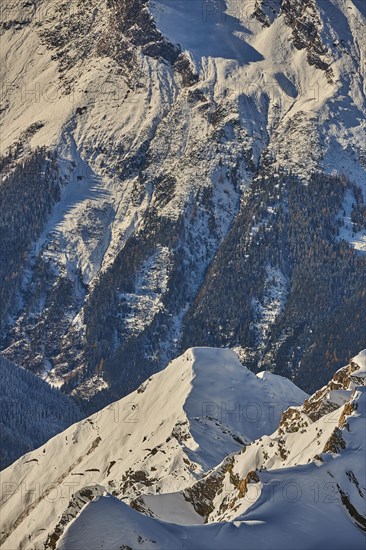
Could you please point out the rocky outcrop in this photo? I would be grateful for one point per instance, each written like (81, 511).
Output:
(304, 19)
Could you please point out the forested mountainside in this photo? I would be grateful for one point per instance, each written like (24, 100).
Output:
(284, 289)
(183, 462)
(30, 412)
(170, 185)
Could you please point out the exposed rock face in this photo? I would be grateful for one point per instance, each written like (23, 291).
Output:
(304, 19)
(320, 403)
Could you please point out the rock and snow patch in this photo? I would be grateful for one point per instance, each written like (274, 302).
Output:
(360, 360)
(151, 285)
(274, 298)
(308, 445)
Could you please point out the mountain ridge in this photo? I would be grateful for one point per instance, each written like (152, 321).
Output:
(171, 452)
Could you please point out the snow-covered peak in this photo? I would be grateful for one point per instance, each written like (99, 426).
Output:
(159, 439)
(224, 389)
(179, 449)
(322, 444)
(155, 143)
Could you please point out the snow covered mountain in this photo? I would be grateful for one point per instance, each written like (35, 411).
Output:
(176, 174)
(160, 439)
(185, 463)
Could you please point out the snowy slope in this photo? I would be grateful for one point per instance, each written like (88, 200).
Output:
(303, 434)
(317, 501)
(290, 514)
(159, 439)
